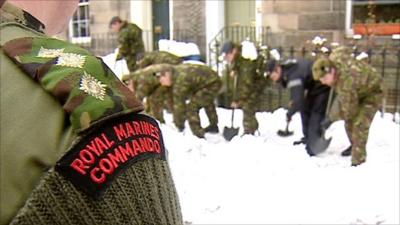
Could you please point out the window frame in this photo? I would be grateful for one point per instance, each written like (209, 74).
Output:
(349, 14)
(82, 39)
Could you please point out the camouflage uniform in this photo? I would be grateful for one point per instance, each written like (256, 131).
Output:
(147, 85)
(250, 83)
(66, 96)
(200, 85)
(131, 44)
(359, 93)
(151, 58)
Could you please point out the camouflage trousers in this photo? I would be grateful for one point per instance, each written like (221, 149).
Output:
(357, 128)
(250, 123)
(131, 61)
(203, 99)
(160, 99)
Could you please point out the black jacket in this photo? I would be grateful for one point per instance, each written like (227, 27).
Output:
(297, 76)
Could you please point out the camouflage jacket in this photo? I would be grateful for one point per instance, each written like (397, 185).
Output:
(249, 79)
(151, 58)
(189, 79)
(131, 42)
(144, 82)
(357, 81)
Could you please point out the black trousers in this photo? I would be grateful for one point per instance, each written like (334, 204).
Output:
(313, 114)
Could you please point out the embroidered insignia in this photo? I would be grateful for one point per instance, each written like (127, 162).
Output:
(92, 86)
(50, 53)
(71, 60)
(93, 164)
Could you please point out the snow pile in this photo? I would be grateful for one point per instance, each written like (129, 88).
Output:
(181, 49)
(265, 179)
(249, 50)
(120, 68)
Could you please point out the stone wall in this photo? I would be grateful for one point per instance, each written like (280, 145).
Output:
(295, 22)
(189, 22)
(101, 13)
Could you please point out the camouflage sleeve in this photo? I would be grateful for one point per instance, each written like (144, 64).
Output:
(348, 98)
(145, 61)
(146, 86)
(123, 41)
(179, 97)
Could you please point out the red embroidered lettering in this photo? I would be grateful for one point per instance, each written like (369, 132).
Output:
(157, 147)
(136, 147)
(143, 144)
(145, 128)
(154, 132)
(92, 147)
(108, 142)
(127, 150)
(95, 178)
(100, 145)
(117, 158)
(78, 165)
(150, 144)
(108, 149)
(129, 129)
(120, 132)
(87, 157)
(137, 127)
(106, 166)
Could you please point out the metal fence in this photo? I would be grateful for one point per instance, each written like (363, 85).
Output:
(105, 43)
(385, 59)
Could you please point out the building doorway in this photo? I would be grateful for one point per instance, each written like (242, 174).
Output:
(161, 28)
(240, 13)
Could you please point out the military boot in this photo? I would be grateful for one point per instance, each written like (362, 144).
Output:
(211, 129)
(303, 140)
(346, 152)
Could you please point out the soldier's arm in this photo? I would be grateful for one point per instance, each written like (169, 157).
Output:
(124, 45)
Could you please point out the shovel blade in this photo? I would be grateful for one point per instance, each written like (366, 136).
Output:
(230, 132)
(320, 145)
(284, 133)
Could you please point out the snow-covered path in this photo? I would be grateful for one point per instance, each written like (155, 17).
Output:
(264, 179)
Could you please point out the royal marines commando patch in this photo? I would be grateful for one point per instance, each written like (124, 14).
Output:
(96, 161)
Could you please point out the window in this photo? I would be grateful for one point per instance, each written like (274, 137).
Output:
(362, 12)
(80, 23)
(384, 11)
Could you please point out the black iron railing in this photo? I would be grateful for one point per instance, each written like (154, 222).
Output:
(385, 59)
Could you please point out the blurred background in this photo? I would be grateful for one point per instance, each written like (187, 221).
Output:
(372, 26)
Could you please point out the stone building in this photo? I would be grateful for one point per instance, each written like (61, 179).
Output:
(272, 22)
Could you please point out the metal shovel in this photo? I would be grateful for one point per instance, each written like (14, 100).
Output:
(230, 132)
(321, 143)
(286, 132)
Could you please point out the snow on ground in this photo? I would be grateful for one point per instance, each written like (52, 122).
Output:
(264, 179)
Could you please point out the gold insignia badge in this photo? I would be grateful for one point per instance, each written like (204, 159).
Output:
(71, 60)
(50, 53)
(92, 86)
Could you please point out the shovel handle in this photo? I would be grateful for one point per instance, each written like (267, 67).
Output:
(232, 116)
